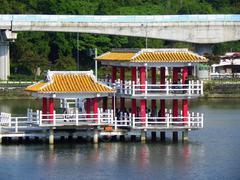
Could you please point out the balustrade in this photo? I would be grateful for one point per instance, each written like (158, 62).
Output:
(135, 89)
(125, 120)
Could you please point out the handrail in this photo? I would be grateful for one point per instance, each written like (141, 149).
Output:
(192, 120)
(132, 88)
(76, 118)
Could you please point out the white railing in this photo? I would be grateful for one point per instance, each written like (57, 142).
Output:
(168, 122)
(76, 118)
(123, 120)
(15, 124)
(169, 88)
(193, 120)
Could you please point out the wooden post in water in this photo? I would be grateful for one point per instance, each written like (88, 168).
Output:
(162, 136)
(154, 135)
(185, 136)
(51, 136)
(175, 136)
(95, 137)
(143, 136)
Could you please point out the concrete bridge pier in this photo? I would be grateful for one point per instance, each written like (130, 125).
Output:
(5, 37)
(4, 60)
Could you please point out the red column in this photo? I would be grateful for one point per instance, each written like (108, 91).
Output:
(175, 74)
(175, 101)
(185, 101)
(122, 78)
(163, 106)
(105, 103)
(162, 101)
(142, 77)
(114, 75)
(134, 78)
(143, 102)
(154, 102)
(184, 74)
(51, 109)
(95, 108)
(185, 110)
(175, 108)
(88, 106)
(163, 75)
(44, 107)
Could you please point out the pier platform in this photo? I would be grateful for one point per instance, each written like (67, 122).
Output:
(100, 125)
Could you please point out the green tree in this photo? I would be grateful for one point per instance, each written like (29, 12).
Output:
(65, 63)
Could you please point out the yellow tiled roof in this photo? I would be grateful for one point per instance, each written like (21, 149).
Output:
(169, 57)
(153, 56)
(36, 87)
(116, 56)
(70, 83)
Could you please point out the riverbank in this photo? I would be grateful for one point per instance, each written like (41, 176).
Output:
(17, 93)
(222, 89)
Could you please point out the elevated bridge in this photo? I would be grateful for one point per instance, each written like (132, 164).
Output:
(199, 29)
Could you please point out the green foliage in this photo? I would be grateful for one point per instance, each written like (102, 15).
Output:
(65, 63)
(203, 67)
(59, 51)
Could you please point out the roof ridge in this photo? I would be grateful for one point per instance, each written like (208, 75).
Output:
(160, 50)
(152, 50)
(68, 72)
(103, 54)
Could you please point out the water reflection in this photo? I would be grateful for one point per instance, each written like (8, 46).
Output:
(133, 153)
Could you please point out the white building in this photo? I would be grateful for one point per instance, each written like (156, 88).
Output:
(228, 67)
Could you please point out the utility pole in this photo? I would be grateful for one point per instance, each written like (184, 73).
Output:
(146, 37)
(95, 56)
(78, 65)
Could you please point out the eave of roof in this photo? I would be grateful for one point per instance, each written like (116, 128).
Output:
(70, 83)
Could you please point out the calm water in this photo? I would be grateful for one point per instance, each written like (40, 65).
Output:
(212, 153)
